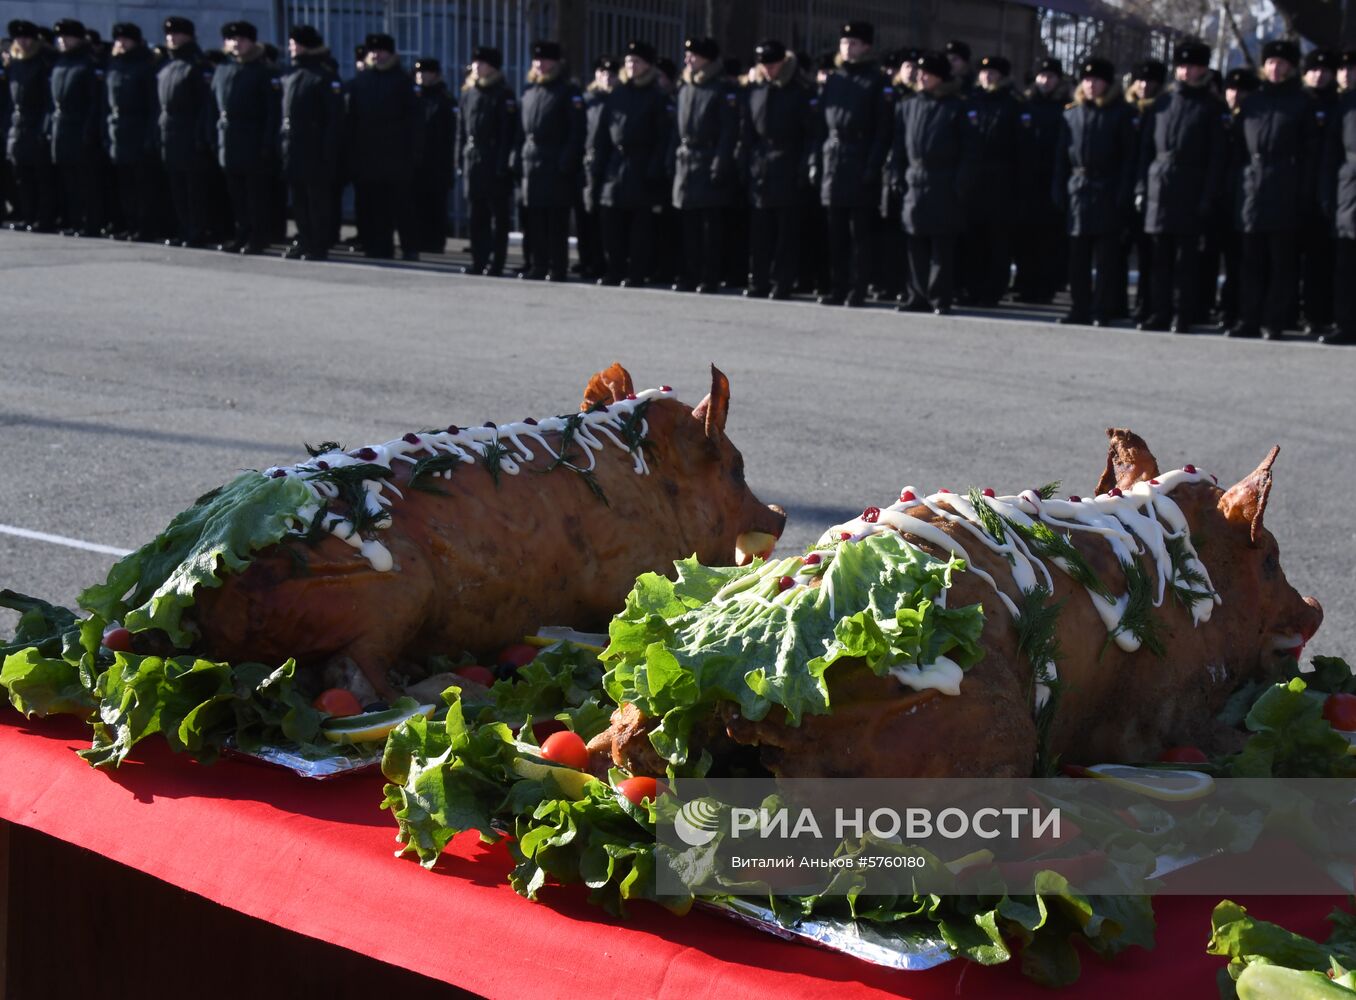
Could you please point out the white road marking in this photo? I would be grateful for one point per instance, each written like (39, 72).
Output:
(74, 543)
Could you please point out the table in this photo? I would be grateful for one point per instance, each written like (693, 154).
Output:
(270, 865)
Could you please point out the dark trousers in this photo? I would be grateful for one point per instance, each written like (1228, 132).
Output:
(186, 191)
(932, 261)
(384, 207)
(1040, 249)
(490, 230)
(1267, 279)
(139, 197)
(548, 229)
(36, 195)
(628, 234)
(82, 186)
(702, 233)
(815, 271)
(312, 203)
(252, 194)
(1316, 273)
(1176, 259)
(431, 213)
(891, 272)
(1231, 252)
(1344, 299)
(850, 239)
(774, 246)
(1093, 298)
(591, 261)
(988, 259)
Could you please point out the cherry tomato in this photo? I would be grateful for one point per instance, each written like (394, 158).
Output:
(1340, 711)
(544, 729)
(638, 789)
(517, 656)
(1183, 755)
(566, 748)
(338, 702)
(119, 640)
(483, 676)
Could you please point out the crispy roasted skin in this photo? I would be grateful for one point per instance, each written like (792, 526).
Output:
(1116, 706)
(480, 564)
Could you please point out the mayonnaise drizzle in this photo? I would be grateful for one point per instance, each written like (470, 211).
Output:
(1142, 519)
(593, 431)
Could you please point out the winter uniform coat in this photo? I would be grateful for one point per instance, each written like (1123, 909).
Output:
(77, 107)
(133, 107)
(31, 103)
(1323, 112)
(438, 114)
(704, 138)
(1339, 181)
(312, 119)
(1183, 145)
(857, 103)
(1041, 125)
(935, 160)
(779, 139)
(996, 117)
(384, 125)
(184, 88)
(248, 102)
(487, 136)
(1095, 164)
(595, 99)
(1277, 157)
(554, 126)
(631, 144)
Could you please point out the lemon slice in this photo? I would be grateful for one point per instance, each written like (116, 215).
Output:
(370, 727)
(551, 634)
(571, 783)
(1170, 786)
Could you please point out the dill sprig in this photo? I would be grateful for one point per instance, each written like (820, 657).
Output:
(567, 441)
(1047, 765)
(1048, 491)
(350, 483)
(989, 519)
(323, 448)
(1046, 542)
(429, 468)
(1138, 618)
(1189, 585)
(591, 481)
(1037, 624)
(633, 428)
(492, 456)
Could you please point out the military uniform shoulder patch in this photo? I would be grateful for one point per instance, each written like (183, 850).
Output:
(337, 86)
(732, 98)
(972, 114)
(277, 83)
(98, 73)
(510, 104)
(1026, 119)
(576, 100)
(418, 90)
(814, 102)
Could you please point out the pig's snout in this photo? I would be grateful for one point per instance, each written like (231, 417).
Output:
(1313, 619)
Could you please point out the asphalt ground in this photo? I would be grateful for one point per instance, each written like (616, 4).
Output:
(134, 378)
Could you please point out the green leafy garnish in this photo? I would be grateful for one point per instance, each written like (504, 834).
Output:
(430, 468)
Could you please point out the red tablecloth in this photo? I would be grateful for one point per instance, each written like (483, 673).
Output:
(316, 857)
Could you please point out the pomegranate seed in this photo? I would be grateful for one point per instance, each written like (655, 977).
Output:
(630, 395)
(278, 473)
(813, 559)
(988, 492)
(531, 421)
(322, 465)
(453, 429)
(844, 536)
(1153, 482)
(366, 454)
(666, 388)
(944, 490)
(1075, 498)
(871, 515)
(411, 438)
(1189, 469)
(785, 583)
(906, 496)
(1115, 491)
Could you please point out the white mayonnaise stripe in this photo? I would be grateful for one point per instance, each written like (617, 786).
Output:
(70, 543)
(468, 445)
(1142, 519)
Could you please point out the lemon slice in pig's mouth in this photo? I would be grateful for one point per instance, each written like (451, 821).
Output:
(370, 727)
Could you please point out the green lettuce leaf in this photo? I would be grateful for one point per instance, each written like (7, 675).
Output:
(732, 634)
(153, 586)
(1290, 738)
(1258, 950)
(41, 625)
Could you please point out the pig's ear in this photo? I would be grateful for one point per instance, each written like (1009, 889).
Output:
(1128, 460)
(713, 410)
(1246, 501)
(608, 386)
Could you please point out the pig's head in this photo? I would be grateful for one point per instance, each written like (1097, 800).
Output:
(1260, 611)
(698, 468)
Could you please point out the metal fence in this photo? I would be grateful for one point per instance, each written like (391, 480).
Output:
(610, 24)
(814, 26)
